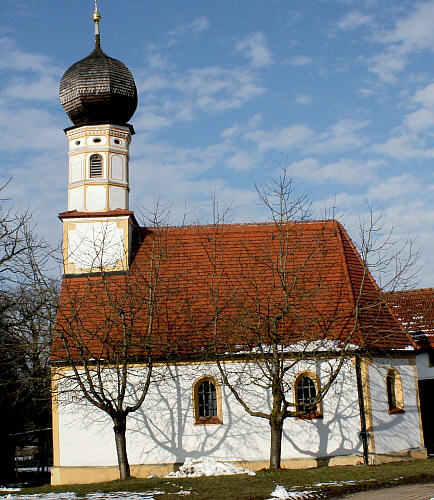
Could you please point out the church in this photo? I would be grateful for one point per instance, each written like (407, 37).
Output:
(256, 344)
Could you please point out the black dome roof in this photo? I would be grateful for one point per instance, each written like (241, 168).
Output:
(98, 89)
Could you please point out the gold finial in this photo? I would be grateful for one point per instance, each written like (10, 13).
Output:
(96, 15)
(96, 18)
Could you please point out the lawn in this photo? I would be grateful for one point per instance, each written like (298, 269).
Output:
(324, 482)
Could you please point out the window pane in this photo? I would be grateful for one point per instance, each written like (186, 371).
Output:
(391, 396)
(306, 394)
(207, 399)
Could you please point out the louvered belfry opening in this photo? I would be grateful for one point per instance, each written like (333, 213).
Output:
(95, 166)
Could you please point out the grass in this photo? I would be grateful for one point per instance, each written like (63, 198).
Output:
(339, 481)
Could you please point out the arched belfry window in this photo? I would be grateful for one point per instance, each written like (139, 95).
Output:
(306, 390)
(207, 401)
(95, 166)
(395, 397)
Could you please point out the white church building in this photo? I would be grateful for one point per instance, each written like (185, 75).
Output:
(214, 311)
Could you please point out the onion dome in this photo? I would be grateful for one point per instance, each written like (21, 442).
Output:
(98, 89)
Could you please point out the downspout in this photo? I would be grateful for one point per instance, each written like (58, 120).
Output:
(363, 432)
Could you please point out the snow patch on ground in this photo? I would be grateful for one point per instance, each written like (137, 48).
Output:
(99, 495)
(208, 467)
(3, 488)
(282, 494)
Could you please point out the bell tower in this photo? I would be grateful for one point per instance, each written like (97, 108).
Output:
(99, 95)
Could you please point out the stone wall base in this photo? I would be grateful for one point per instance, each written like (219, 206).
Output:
(399, 456)
(87, 475)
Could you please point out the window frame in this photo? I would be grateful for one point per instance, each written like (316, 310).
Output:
(211, 420)
(313, 414)
(395, 400)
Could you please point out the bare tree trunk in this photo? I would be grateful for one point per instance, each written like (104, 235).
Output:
(276, 427)
(121, 446)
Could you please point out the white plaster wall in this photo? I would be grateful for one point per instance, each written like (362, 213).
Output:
(76, 199)
(117, 197)
(117, 142)
(424, 371)
(396, 432)
(76, 170)
(92, 244)
(96, 198)
(117, 167)
(163, 430)
(101, 142)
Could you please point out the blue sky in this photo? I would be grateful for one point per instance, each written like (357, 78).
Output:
(342, 92)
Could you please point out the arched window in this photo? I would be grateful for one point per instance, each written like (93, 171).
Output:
(207, 401)
(395, 397)
(306, 391)
(95, 166)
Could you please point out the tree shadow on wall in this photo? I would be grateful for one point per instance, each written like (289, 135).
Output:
(168, 430)
(335, 434)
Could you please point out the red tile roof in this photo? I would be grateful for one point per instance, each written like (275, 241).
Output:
(227, 284)
(415, 309)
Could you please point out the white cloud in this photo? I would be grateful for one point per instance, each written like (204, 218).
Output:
(12, 58)
(230, 132)
(44, 88)
(255, 48)
(300, 60)
(28, 129)
(337, 206)
(26, 75)
(157, 61)
(198, 25)
(211, 89)
(411, 33)
(255, 121)
(252, 124)
(386, 64)
(147, 120)
(420, 120)
(354, 20)
(411, 142)
(280, 140)
(344, 171)
(303, 99)
(402, 148)
(426, 96)
(394, 187)
(341, 136)
(152, 83)
(414, 31)
(242, 161)
(423, 118)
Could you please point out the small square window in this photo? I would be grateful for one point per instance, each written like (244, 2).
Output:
(431, 358)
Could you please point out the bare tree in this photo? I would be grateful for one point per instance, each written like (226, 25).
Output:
(28, 296)
(107, 336)
(296, 292)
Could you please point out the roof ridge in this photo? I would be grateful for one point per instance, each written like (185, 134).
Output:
(248, 224)
(410, 290)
